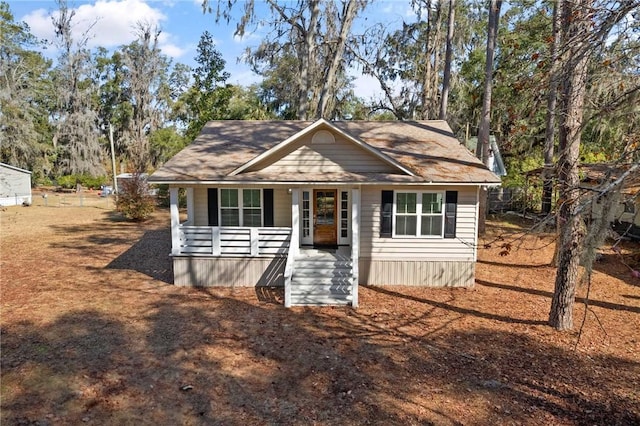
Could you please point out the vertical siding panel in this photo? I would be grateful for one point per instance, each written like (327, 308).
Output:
(418, 273)
(228, 272)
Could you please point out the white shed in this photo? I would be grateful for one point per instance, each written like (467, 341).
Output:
(15, 185)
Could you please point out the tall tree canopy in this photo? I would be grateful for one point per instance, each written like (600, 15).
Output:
(24, 85)
(313, 36)
(76, 137)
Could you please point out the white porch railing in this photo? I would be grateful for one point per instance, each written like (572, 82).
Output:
(232, 241)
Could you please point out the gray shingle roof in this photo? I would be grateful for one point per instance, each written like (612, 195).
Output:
(428, 148)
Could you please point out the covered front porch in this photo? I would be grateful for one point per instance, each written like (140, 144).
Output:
(211, 253)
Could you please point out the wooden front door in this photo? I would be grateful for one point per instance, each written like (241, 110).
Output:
(324, 217)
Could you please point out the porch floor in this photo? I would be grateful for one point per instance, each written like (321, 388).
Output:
(340, 253)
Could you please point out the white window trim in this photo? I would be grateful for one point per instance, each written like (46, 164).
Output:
(418, 214)
(309, 238)
(344, 240)
(241, 207)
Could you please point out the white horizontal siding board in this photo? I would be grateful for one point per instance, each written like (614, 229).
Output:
(200, 209)
(460, 248)
(281, 207)
(342, 155)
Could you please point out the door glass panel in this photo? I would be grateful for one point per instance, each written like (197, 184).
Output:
(325, 207)
(344, 214)
(306, 207)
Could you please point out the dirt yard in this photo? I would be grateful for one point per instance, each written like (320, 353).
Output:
(93, 332)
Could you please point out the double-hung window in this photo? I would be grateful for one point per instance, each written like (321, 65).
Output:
(251, 208)
(418, 214)
(240, 207)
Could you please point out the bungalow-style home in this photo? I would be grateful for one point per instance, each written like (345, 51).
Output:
(322, 207)
(15, 186)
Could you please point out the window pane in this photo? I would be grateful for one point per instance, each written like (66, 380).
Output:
(406, 225)
(229, 217)
(431, 225)
(432, 203)
(251, 197)
(229, 198)
(406, 203)
(251, 217)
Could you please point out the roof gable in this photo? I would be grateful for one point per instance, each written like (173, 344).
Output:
(306, 145)
(416, 152)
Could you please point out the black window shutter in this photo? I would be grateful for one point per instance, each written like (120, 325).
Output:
(212, 204)
(451, 206)
(386, 214)
(267, 208)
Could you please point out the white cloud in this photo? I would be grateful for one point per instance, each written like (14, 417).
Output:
(172, 50)
(106, 23)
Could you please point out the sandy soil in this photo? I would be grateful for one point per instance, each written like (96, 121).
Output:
(93, 332)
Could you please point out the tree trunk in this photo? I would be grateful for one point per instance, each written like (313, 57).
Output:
(426, 78)
(575, 23)
(435, 71)
(485, 120)
(308, 60)
(329, 86)
(552, 96)
(446, 81)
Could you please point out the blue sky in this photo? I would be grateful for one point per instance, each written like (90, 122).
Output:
(181, 21)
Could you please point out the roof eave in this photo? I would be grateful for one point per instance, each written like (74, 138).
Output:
(314, 183)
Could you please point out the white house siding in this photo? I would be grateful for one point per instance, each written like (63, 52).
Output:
(200, 208)
(228, 272)
(418, 261)
(343, 155)
(15, 185)
(281, 207)
(281, 203)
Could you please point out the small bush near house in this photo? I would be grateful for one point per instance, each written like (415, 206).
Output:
(134, 201)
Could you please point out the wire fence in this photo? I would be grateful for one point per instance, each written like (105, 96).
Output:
(73, 199)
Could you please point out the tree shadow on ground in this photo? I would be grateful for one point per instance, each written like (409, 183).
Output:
(549, 295)
(197, 356)
(149, 255)
(450, 307)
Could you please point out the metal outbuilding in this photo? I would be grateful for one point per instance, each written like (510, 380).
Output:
(15, 185)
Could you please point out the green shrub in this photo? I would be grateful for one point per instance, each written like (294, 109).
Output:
(133, 199)
(67, 182)
(90, 182)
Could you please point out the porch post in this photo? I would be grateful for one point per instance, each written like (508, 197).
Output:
(175, 221)
(294, 247)
(190, 207)
(355, 243)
